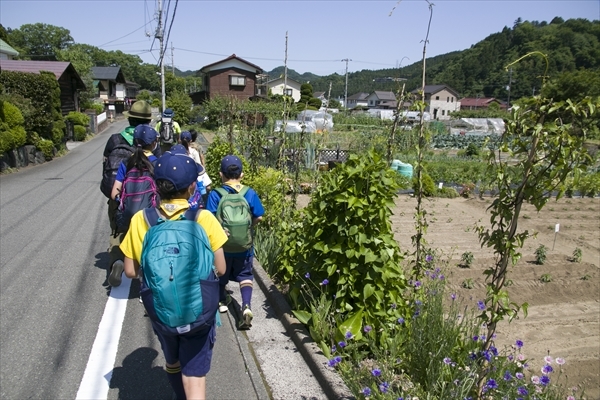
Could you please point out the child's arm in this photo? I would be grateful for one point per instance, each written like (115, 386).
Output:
(220, 262)
(132, 267)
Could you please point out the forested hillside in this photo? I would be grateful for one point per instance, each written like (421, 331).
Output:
(572, 47)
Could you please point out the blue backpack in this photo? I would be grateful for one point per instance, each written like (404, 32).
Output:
(179, 286)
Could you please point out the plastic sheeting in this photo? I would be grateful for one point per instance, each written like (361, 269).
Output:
(479, 126)
(410, 116)
(322, 120)
(296, 126)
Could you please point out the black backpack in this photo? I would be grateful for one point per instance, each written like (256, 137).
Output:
(110, 166)
(166, 131)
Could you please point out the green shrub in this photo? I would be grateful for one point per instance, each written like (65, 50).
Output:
(577, 255)
(472, 150)
(78, 118)
(589, 185)
(428, 185)
(12, 132)
(447, 192)
(98, 108)
(358, 263)
(466, 259)
(47, 147)
(79, 132)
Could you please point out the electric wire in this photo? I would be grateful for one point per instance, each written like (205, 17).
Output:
(130, 33)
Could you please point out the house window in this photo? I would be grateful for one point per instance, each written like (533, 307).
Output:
(370, 102)
(447, 100)
(443, 112)
(437, 97)
(288, 92)
(237, 80)
(452, 99)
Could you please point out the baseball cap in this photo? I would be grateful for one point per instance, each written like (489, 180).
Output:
(168, 112)
(186, 135)
(145, 134)
(140, 109)
(181, 151)
(230, 161)
(180, 170)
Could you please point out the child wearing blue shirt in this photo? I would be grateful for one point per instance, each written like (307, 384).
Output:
(239, 265)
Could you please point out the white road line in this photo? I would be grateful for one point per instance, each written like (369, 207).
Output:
(98, 372)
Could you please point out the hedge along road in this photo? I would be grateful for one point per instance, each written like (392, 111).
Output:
(53, 290)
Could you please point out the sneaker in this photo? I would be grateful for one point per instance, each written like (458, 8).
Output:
(223, 307)
(114, 279)
(247, 316)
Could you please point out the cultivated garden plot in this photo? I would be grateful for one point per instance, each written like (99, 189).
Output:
(563, 295)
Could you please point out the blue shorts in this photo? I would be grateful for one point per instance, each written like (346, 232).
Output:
(193, 351)
(238, 269)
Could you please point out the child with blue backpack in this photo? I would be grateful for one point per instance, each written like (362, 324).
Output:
(238, 208)
(178, 256)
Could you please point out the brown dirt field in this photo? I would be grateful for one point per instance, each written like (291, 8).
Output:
(564, 314)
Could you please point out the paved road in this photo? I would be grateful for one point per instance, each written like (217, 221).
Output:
(54, 300)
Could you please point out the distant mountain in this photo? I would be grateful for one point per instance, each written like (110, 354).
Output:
(570, 46)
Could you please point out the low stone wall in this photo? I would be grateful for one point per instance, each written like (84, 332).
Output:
(22, 157)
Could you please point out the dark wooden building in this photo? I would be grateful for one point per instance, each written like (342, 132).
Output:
(68, 79)
(232, 76)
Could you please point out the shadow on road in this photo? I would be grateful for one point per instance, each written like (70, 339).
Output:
(138, 379)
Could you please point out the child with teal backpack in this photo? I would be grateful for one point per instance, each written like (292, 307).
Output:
(178, 255)
(238, 208)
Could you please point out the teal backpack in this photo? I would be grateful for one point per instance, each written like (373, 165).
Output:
(179, 286)
(234, 215)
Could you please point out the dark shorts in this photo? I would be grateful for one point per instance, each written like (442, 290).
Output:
(238, 269)
(193, 351)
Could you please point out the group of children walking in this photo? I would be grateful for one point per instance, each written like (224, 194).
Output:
(184, 242)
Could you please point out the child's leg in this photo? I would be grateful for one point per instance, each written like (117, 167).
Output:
(176, 380)
(245, 277)
(195, 387)
(224, 280)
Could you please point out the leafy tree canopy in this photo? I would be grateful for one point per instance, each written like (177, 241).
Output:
(39, 41)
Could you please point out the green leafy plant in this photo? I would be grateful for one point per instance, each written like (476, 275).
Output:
(466, 259)
(577, 255)
(545, 278)
(468, 283)
(12, 131)
(358, 263)
(541, 254)
(79, 132)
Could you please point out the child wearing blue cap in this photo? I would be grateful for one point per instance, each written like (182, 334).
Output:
(239, 263)
(145, 141)
(187, 354)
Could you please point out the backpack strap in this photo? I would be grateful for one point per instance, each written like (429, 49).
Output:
(191, 215)
(151, 216)
(222, 191)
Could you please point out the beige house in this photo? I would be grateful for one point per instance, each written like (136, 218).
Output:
(441, 101)
(288, 88)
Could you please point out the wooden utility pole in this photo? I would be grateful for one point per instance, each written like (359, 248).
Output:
(346, 90)
(159, 35)
(172, 59)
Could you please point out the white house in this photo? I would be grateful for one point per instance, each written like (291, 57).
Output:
(441, 101)
(288, 88)
(357, 100)
(381, 99)
(7, 52)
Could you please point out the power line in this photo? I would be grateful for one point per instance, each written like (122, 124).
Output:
(112, 41)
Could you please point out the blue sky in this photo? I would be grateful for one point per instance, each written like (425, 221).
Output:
(320, 33)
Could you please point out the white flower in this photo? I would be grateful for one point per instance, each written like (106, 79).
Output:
(560, 360)
(548, 359)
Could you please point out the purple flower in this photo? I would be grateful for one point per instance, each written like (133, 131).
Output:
(307, 275)
(325, 282)
(491, 384)
(494, 350)
(507, 376)
(349, 335)
(441, 277)
(393, 306)
(384, 387)
(548, 360)
(429, 258)
(338, 359)
(447, 360)
(376, 372)
(400, 320)
(367, 328)
(333, 348)
(522, 391)
(366, 391)
(519, 375)
(511, 357)
(333, 362)
(546, 369)
(453, 296)
(481, 305)
(475, 338)
(545, 380)
(519, 343)
(560, 360)
(342, 344)
(417, 284)
(418, 302)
